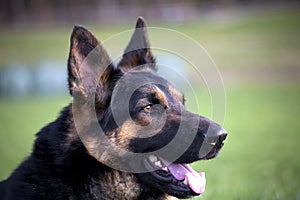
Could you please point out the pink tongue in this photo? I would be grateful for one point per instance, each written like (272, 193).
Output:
(196, 181)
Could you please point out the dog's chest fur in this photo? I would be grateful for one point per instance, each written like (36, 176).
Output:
(115, 185)
(121, 186)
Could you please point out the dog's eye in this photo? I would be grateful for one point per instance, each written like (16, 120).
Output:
(147, 108)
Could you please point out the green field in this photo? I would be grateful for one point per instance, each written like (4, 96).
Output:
(260, 159)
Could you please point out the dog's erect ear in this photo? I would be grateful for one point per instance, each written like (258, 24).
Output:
(138, 50)
(88, 62)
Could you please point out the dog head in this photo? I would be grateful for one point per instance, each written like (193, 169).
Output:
(127, 115)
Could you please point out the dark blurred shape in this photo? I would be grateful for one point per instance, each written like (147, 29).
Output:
(49, 12)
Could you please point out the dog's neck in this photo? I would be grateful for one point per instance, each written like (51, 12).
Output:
(122, 185)
(102, 182)
(113, 184)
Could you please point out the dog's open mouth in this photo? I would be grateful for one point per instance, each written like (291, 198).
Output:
(181, 177)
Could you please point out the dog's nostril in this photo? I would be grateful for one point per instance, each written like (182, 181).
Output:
(213, 141)
(223, 136)
(215, 130)
(216, 134)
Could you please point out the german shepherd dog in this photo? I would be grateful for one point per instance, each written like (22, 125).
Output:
(126, 134)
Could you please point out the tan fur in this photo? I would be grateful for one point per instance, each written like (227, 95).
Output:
(161, 96)
(176, 93)
(123, 186)
(126, 132)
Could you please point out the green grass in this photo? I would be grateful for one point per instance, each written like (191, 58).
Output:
(259, 160)
(19, 121)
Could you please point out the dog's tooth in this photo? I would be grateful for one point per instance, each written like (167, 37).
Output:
(153, 158)
(185, 181)
(158, 163)
(165, 169)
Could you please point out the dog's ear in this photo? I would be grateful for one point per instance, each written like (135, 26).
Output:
(138, 51)
(88, 63)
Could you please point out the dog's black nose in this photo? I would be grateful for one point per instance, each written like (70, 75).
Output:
(216, 131)
(213, 141)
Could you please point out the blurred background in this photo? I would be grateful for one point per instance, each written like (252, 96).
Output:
(255, 44)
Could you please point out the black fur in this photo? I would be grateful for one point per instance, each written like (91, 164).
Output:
(61, 166)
